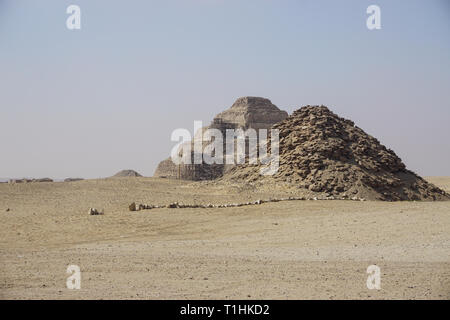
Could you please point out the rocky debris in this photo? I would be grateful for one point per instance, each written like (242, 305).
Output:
(145, 207)
(72, 179)
(322, 153)
(8, 210)
(25, 180)
(127, 173)
(137, 207)
(42, 180)
(95, 212)
(246, 112)
(12, 181)
(173, 205)
(176, 205)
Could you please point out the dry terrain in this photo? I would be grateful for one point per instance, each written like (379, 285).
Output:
(283, 250)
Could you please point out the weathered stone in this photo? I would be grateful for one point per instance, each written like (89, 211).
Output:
(42, 180)
(166, 169)
(251, 112)
(246, 112)
(72, 179)
(95, 212)
(325, 154)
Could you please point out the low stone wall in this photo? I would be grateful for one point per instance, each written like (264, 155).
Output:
(176, 205)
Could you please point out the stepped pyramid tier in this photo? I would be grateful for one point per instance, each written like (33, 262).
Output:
(251, 112)
(246, 112)
(323, 154)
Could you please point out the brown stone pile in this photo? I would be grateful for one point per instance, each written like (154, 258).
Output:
(325, 154)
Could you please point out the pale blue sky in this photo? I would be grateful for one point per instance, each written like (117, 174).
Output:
(91, 102)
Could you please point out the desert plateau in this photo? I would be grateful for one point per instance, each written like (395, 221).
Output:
(302, 249)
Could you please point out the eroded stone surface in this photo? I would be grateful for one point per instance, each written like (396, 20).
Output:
(324, 153)
(246, 112)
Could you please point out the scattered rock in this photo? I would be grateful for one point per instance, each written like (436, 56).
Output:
(173, 205)
(42, 180)
(95, 212)
(72, 179)
(24, 180)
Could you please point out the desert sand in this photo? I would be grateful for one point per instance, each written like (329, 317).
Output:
(284, 250)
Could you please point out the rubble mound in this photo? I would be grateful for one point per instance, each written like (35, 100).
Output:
(127, 173)
(323, 153)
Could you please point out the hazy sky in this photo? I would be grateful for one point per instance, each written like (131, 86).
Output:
(90, 102)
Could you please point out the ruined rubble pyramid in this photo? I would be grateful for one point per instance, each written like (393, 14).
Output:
(246, 112)
(127, 173)
(324, 154)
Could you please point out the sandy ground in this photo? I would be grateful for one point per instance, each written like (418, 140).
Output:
(284, 250)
